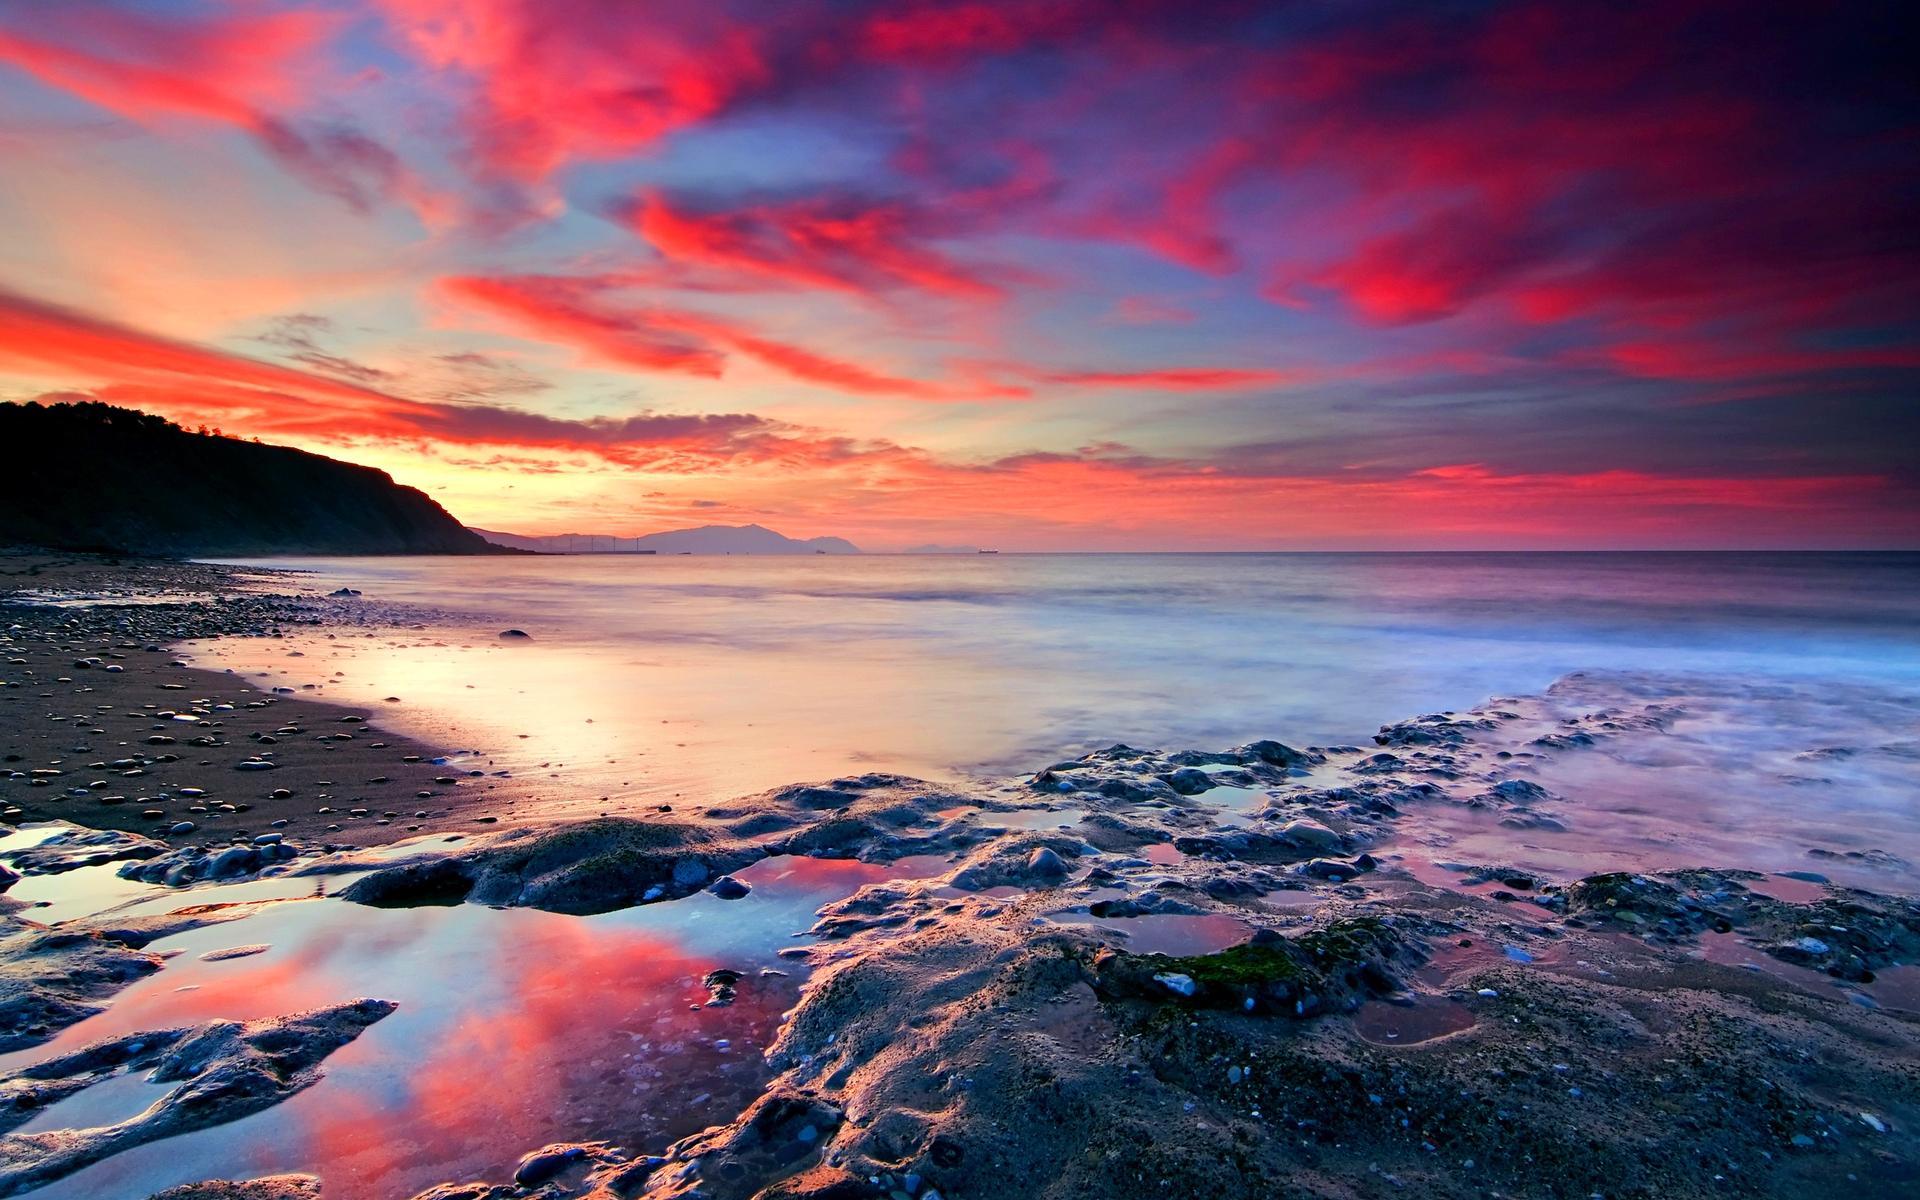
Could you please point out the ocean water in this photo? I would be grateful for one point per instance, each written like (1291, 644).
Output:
(965, 662)
(706, 678)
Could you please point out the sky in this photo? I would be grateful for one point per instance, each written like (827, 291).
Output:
(1029, 274)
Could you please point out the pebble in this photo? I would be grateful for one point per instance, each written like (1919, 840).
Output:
(182, 827)
(1177, 983)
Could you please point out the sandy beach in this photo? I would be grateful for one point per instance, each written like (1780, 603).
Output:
(141, 742)
(1185, 973)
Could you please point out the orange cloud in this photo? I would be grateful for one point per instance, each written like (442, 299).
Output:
(200, 385)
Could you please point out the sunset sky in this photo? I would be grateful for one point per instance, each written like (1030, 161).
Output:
(1033, 274)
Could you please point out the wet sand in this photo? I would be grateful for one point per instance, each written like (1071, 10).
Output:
(111, 730)
(1253, 972)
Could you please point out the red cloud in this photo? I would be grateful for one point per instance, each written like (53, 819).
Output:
(227, 69)
(844, 245)
(558, 82)
(1171, 379)
(235, 69)
(575, 312)
(569, 312)
(579, 312)
(205, 386)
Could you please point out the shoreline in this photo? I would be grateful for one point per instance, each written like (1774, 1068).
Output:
(1071, 983)
(329, 756)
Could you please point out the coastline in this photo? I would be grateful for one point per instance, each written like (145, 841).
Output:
(1083, 979)
(116, 709)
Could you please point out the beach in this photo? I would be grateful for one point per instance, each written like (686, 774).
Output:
(1463, 953)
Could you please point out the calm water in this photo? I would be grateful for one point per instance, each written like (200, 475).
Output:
(740, 673)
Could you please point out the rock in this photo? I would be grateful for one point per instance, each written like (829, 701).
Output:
(233, 861)
(1189, 781)
(267, 1187)
(1330, 969)
(1310, 834)
(181, 827)
(1045, 863)
(582, 867)
(234, 952)
(256, 764)
(513, 634)
(1178, 984)
(49, 980)
(224, 1070)
(728, 888)
(1277, 754)
(71, 850)
(543, 1164)
(722, 986)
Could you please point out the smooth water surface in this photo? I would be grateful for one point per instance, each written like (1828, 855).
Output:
(731, 674)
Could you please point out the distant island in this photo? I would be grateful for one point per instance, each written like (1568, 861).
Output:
(90, 476)
(936, 548)
(707, 539)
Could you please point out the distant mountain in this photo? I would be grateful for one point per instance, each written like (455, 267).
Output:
(90, 476)
(707, 539)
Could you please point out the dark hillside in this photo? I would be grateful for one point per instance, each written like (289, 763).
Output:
(89, 476)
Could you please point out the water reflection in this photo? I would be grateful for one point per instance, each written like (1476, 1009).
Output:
(728, 675)
(515, 1028)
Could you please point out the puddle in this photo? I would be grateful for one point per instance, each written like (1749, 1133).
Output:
(1787, 888)
(1422, 1020)
(80, 892)
(515, 1028)
(1448, 877)
(28, 836)
(108, 1102)
(1897, 987)
(1177, 934)
(1034, 818)
(1164, 854)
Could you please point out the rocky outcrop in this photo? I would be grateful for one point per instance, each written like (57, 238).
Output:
(225, 1070)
